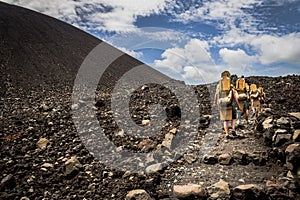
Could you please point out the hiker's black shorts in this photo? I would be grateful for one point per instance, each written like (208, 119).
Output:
(234, 110)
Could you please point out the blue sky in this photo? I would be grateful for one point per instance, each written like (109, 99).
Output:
(191, 40)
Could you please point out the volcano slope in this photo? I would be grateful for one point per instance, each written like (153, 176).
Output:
(43, 157)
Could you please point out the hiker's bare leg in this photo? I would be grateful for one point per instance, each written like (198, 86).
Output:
(233, 123)
(226, 127)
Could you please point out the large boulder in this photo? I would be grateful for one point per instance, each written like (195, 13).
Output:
(293, 157)
(189, 191)
(219, 190)
(249, 191)
(138, 194)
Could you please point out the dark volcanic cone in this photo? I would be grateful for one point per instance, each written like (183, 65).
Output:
(41, 152)
(36, 49)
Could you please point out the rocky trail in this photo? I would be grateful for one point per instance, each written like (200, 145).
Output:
(46, 159)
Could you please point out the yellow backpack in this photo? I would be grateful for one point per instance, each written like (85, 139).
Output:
(225, 95)
(240, 84)
(247, 87)
(225, 84)
(254, 91)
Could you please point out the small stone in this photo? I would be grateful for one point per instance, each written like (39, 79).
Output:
(190, 158)
(296, 135)
(225, 159)
(173, 130)
(290, 175)
(147, 144)
(295, 114)
(241, 180)
(44, 107)
(31, 190)
(47, 165)
(281, 131)
(267, 123)
(145, 87)
(168, 140)
(283, 121)
(72, 167)
(24, 198)
(42, 143)
(146, 122)
(74, 106)
(189, 191)
(154, 168)
(138, 194)
(44, 169)
(120, 133)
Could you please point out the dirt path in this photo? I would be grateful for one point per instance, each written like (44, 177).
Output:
(250, 162)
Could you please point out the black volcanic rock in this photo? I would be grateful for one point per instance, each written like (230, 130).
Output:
(39, 60)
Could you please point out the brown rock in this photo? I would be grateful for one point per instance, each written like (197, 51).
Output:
(168, 140)
(146, 122)
(225, 159)
(296, 135)
(281, 139)
(219, 190)
(267, 123)
(154, 168)
(190, 158)
(173, 131)
(72, 166)
(283, 121)
(147, 144)
(138, 195)
(249, 191)
(241, 157)
(295, 114)
(209, 159)
(42, 143)
(189, 191)
(293, 157)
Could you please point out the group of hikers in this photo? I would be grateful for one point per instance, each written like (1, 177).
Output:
(233, 101)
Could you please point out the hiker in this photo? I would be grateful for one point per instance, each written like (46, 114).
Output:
(262, 98)
(254, 98)
(241, 88)
(224, 97)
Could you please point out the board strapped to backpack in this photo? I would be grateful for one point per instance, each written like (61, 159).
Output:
(254, 92)
(225, 94)
(241, 89)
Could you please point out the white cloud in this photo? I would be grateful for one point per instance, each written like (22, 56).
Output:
(115, 15)
(132, 53)
(274, 49)
(237, 58)
(193, 53)
(227, 11)
(62, 9)
(193, 62)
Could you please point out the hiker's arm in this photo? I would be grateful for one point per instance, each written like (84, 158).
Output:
(236, 98)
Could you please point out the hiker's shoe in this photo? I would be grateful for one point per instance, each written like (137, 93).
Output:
(238, 122)
(233, 133)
